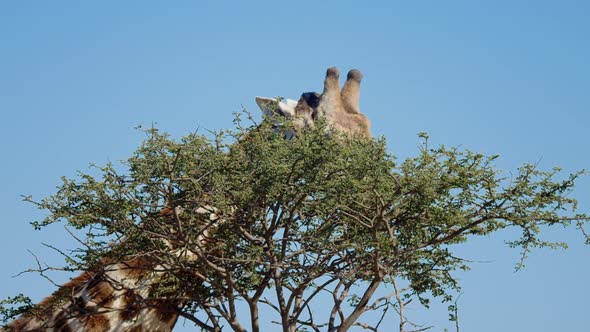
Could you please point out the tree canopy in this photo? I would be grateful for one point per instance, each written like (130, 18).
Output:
(295, 224)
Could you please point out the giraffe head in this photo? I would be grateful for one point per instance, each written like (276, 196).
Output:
(340, 108)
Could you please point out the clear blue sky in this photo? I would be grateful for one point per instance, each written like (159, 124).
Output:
(499, 77)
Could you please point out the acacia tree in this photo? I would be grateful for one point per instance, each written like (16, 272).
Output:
(317, 219)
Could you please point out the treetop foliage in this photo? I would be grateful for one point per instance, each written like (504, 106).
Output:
(291, 220)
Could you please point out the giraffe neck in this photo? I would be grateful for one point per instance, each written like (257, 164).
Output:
(116, 298)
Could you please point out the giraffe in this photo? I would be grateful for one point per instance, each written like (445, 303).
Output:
(117, 296)
(340, 108)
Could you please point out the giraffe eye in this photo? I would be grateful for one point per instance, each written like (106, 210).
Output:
(280, 112)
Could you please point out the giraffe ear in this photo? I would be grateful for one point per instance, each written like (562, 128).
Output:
(271, 106)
